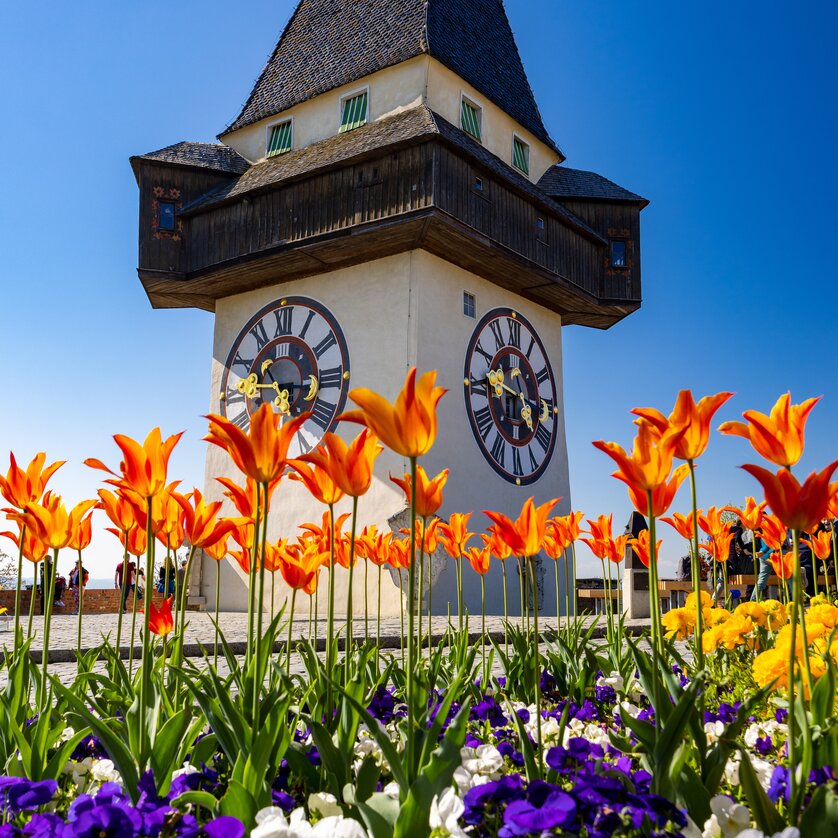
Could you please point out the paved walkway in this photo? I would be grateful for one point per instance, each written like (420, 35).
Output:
(200, 631)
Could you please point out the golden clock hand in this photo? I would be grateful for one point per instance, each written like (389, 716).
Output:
(248, 385)
(545, 411)
(313, 389)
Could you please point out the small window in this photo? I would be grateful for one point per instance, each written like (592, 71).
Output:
(539, 223)
(618, 254)
(468, 304)
(354, 112)
(165, 215)
(521, 155)
(478, 184)
(280, 139)
(471, 117)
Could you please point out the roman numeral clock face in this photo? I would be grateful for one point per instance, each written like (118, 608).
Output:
(291, 355)
(510, 396)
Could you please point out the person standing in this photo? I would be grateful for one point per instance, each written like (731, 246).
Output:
(129, 580)
(77, 582)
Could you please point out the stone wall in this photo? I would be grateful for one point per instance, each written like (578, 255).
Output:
(97, 601)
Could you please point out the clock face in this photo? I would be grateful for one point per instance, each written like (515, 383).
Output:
(510, 396)
(292, 355)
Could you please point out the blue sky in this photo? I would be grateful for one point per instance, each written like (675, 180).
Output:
(722, 114)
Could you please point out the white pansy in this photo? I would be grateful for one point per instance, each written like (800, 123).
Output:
(760, 730)
(338, 827)
(628, 709)
(446, 810)
(324, 804)
(713, 730)
(732, 770)
(485, 759)
(67, 734)
(788, 832)
(614, 680)
(728, 819)
(465, 780)
(271, 823)
(104, 771)
(763, 769)
(392, 790)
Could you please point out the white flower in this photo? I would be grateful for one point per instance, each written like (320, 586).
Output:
(713, 730)
(67, 734)
(763, 770)
(446, 810)
(104, 771)
(728, 818)
(732, 773)
(614, 680)
(628, 708)
(271, 823)
(338, 827)
(392, 790)
(324, 804)
(759, 730)
(485, 760)
(788, 832)
(187, 768)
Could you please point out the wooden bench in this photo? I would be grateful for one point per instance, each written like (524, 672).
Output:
(669, 592)
(743, 581)
(674, 593)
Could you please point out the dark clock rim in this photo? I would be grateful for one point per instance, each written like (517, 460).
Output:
(514, 479)
(325, 313)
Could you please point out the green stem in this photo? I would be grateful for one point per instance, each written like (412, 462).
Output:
(460, 591)
(350, 624)
(505, 613)
(80, 589)
(147, 663)
(401, 616)
(696, 576)
(566, 589)
(251, 589)
(133, 630)
(49, 588)
(290, 625)
(181, 607)
(366, 600)
(412, 737)
(558, 599)
(18, 586)
(483, 632)
(217, 607)
(537, 685)
(260, 609)
(122, 585)
(795, 616)
(378, 624)
(330, 617)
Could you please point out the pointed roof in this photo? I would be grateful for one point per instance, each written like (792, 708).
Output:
(564, 182)
(330, 43)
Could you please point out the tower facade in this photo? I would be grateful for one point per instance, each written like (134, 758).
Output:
(389, 197)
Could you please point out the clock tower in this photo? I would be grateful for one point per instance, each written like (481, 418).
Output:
(389, 197)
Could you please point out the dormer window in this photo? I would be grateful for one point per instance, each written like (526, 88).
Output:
(280, 138)
(521, 155)
(618, 253)
(471, 118)
(353, 111)
(165, 215)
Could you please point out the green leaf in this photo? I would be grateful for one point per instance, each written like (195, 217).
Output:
(166, 749)
(367, 780)
(239, 803)
(820, 818)
(196, 798)
(379, 814)
(765, 814)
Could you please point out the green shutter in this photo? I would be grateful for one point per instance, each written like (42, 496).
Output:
(354, 113)
(521, 156)
(470, 119)
(279, 141)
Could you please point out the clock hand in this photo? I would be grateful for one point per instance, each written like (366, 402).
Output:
(314, 387)
(496, 381)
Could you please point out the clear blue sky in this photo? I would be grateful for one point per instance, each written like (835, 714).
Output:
(723, 114)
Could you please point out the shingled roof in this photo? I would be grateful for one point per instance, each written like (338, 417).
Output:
(213, 156)
(330, 43)
(562, 182)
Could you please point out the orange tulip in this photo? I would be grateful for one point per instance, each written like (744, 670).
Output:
(21, 487)
(244, 498)
(773, 531)
(200, 522)
(242, 558)
(525, 536)
(408, 426)
(163, 514)
(820, 544)
(455, 535)
(783, 564)
(662, 497)
(34, 549)
(427, 538)
(50, 521)
(350, 466)
(242, 531)
(718, 545)
(479, 559)
(799, 507)
(778, 437)
(143, 467)
(650, 462)
(300, 568)
(711, 522)
(642, 546)
(170, 532)
(376, 546)
(218, 550)
(428, 493)
(317, 480)
(682, 524)
(833, 500)
(554, 545)
(261, 454)
(693, 418)
(118, 509)
(751, 515)
(569, 526)
(82, 533)
(399, 558)
(496, 545)
(134, 540)
(603, 544)
(160, 621)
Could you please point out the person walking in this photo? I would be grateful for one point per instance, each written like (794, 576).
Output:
(129, 572)
(763, 554)
(77, 583)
